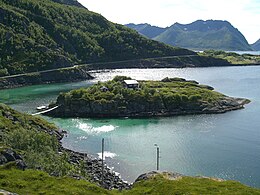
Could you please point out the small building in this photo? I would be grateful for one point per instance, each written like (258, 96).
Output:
(131, 84)
(103, 89)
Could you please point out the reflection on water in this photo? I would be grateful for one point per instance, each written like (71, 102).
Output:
(224, 145)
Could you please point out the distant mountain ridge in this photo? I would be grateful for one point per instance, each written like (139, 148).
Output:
(147, 29)
(198, 35)
(256, 45)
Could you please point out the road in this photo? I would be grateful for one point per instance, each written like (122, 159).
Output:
(80, 65)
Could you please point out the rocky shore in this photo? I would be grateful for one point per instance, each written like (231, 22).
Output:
(94, 110)
(91, 166)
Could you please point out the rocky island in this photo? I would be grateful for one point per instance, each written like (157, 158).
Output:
(125, 97)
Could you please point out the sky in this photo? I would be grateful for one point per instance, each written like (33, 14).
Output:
(242, 14)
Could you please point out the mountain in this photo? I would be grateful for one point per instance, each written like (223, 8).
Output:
(39, 35)
(146, 29)
(201, 35)
(256, 45)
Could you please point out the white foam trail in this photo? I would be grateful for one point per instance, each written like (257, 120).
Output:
(95, 130)
(107, 154)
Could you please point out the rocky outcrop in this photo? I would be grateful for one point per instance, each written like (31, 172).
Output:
(8, 155)
(169, 176)
(150, 175)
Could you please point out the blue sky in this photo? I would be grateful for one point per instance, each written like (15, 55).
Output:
(242, 14)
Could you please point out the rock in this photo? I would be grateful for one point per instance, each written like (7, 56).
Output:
(146, 176)
(9, 155)
(21, 164)
(4, 192)
(167, 175)
(2, 160)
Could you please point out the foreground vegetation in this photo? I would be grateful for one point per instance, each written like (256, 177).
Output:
(170, 96)
(35, 140)
(38, 182)
(233, 58)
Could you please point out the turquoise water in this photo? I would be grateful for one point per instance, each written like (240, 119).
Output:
(224, 145)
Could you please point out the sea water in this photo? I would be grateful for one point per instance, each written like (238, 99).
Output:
(217, 145)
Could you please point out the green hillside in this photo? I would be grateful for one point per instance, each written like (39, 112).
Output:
(42, 34)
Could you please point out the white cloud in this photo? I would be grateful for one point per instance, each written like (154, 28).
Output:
(243, 14)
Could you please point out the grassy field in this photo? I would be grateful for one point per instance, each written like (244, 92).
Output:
(38, 182)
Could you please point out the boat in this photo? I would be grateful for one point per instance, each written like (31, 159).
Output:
(41, 108)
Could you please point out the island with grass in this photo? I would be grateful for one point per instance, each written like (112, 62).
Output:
(126, 97)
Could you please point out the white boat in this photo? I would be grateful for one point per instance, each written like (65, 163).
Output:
(42, 108)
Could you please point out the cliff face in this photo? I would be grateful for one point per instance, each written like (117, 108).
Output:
(153, 98)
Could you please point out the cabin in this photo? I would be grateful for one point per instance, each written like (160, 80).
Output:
(131, 84)
(104, 89)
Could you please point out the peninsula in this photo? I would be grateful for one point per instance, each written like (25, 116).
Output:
(125, 97)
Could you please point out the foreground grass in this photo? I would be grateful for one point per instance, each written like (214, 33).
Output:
(190, 185)
(38, 182)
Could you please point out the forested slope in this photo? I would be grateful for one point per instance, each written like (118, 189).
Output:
(42, 34)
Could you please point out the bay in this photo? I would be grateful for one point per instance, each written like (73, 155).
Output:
(223, 145)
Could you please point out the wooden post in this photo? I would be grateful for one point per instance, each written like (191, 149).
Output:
(158, 156)
(102, 151)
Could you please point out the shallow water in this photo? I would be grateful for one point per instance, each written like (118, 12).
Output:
(223, 145)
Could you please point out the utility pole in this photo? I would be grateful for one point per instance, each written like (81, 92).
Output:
(157, 156)
(102, 152)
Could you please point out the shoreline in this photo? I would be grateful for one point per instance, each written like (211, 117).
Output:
(228, 106)
(82, 72)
